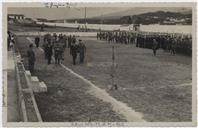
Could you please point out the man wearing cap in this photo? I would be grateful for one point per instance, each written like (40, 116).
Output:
(73, 51)
(82, 50)
(31, 58)
(57, 52)
(49, 52)
(36, 41)
(155, 44)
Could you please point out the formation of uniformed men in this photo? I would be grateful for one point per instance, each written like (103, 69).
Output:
(56, 44)
(174, 43)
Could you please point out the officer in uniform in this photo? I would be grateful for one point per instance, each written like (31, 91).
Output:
(69, 41)
(36, 41)
(173, 46)
(73, 52)
(65, 41)
(82, 51)
(155, 44)
(42, 27)
(49, 52)
(31, 58)
(57, 52)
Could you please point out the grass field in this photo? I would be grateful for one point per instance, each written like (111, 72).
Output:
(158, 87)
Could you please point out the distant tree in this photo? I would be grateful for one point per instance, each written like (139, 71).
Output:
(136, 20)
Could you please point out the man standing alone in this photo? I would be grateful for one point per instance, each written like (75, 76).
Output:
(155, 44)
(31, 58)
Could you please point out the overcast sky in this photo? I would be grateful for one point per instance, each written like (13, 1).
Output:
(63, 13)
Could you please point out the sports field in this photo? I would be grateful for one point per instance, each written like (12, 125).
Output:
(159, 88)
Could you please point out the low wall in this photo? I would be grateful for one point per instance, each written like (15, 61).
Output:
(28, 105)
(81, 34)
(185, 29)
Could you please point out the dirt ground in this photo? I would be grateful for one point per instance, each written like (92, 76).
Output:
(159, 87)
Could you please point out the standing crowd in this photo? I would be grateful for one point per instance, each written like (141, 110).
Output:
(55, 46)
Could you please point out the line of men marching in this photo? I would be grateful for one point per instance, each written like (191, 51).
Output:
(169, 42)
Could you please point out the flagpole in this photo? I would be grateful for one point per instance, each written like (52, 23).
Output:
(113, 69)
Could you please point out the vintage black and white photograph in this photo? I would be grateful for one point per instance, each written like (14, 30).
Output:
(119, 63)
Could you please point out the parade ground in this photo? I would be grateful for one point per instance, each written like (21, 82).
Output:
(150, 88)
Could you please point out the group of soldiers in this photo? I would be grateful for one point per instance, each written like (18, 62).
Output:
(173, 43)
(56, 44)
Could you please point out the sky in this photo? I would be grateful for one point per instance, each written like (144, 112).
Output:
(64, 13)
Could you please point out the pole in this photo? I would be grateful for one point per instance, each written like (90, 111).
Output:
(85, 14)
(85, 18)
(113, 69)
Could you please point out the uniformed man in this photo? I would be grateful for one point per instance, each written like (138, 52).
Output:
(57, 52)
(31, 58)
(155, 44)
(42, 27)
(73, 39)
(62, 46)
(49, 52)
(65, 41)
(8, 40)
(69, 41)
(172, 48)
(36, 41)
(82, 50)
(73, 52)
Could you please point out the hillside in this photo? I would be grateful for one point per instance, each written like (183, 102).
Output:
(143, 16)
(142, 10)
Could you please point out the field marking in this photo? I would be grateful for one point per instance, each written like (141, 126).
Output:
(185, 84)
(118, 106)
(161, 87)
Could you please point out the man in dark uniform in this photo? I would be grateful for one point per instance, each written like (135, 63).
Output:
(8, 40)
(82, 51)
(172, 47)
(155, 44)
(73, 39)
(45, 48)
(62, 46)
(57, 52)
(36, 41)
(31, 58)
(42, 27)
(69, 41)
(73, 52)
(49, 53)
(65, 41)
